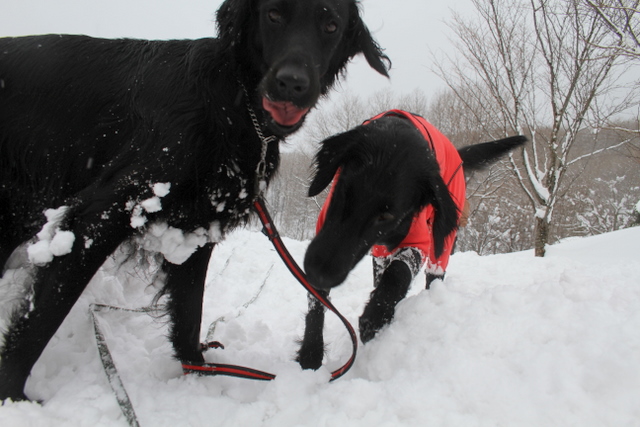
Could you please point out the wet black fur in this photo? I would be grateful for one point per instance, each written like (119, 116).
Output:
(388, 174)
(92, 123)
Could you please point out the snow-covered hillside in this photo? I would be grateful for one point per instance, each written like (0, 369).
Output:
(506, 340)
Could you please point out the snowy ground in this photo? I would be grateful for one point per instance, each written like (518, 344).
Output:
(506, 340)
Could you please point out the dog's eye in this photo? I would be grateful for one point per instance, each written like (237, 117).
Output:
(275, 16)
(331, 27)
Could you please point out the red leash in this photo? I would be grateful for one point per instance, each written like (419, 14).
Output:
(243, 372)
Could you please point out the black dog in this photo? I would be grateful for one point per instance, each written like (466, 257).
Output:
(388, 175)
(115, 138)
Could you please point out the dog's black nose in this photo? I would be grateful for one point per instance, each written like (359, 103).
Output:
(293, 82)
(319, 281)
(322, 272)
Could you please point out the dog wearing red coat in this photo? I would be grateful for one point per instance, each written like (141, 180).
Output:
(398, 192)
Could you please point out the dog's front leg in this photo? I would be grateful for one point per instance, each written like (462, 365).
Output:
(185, 286)
(311, 350)
(392, 288)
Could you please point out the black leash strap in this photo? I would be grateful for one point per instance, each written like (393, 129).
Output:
(109, 366)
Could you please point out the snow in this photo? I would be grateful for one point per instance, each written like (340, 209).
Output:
(175, 245)
(172, 243)
(504, 340)
(138, 219)
(51, 240)
(541, 212)
(150, 205)
(161, 189)
(62, 243)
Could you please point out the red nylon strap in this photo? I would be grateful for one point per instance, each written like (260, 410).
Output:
(243, 372)
(227, 370)
(272, 233)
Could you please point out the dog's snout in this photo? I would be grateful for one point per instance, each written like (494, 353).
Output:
(292, 82)
(323, 270)
(319, 280)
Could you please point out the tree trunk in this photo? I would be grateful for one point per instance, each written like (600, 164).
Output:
(541, 232)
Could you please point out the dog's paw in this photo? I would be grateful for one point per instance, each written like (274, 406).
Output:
(368, 330)
(374, 318)
(310, 356)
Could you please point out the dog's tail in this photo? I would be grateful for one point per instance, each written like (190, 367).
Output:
(479, 156)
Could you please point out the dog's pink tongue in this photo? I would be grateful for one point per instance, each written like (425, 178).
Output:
(284, 113)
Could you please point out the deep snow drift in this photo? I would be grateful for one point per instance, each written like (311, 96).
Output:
(507, 340)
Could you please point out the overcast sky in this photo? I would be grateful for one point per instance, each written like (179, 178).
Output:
(407, 29)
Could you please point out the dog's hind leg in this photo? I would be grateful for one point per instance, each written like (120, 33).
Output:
(10, 232)
(311, 351)
(56, 288)
(185, 286)
(431, 278)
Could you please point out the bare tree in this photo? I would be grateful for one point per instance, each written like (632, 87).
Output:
(622, 17)
(292, 210)
(346, 112)
(534, 67)
(350, 110)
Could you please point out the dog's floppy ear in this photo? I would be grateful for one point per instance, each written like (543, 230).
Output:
(434, 191)
(232, 21)
(332, 155)
(360, 41)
